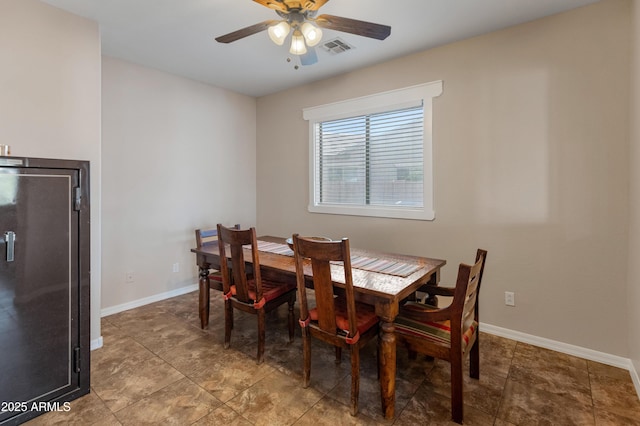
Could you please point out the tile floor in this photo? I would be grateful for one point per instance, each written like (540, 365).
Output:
(158, 367)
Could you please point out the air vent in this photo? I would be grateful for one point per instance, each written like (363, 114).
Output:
(337, 45)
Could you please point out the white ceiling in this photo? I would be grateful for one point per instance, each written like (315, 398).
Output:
(177, 36)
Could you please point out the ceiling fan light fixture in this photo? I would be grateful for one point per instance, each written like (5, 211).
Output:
(297, 44)
(299, 17)
(279, 32)
(311, 33)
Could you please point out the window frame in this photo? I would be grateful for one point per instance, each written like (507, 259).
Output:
(413, 96)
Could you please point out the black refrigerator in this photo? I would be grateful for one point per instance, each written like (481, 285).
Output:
(44, 286)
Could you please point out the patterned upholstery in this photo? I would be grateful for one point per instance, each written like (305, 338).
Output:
(366, 318)
(270, 290)
(438, 332)
(215, 276)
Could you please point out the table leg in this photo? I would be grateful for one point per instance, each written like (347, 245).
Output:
(388, 368)
(203, 303)
(431, 300)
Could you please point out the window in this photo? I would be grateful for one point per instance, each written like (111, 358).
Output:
(373, 159)
(371, 156)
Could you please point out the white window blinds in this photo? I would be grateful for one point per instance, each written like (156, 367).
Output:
(371, 156)
(375, 159)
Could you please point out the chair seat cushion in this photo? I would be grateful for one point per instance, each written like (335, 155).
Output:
(215, 276)
(437, 332)
(215, 281)
(270, 289)
(365, 315)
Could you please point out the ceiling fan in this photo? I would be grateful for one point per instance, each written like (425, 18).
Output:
(300, 16)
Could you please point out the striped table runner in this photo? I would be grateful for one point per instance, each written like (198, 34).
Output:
(371, 264)
(275, 248)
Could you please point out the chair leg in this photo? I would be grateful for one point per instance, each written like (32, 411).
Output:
(456, 389)
(338, 354)
(474, 359)
(355, 378)
(203, 299)
(378, 356)
(232, 314)
(291, 319)
(261, 335)
(306, 356)
(228, 323)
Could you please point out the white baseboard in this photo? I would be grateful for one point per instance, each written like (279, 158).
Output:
(147, 300)
(96, 343)
(634, 377)
(590, 354)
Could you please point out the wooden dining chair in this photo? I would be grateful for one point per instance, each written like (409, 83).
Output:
(249, 292)
(337, 320)
(209, 237)
(449, 333)
(204, 238)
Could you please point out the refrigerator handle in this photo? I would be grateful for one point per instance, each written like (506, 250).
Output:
(10, 239)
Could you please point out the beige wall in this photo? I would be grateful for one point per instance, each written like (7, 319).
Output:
(176, 155)
(530, 148)
(634, 199)
(530, 153)
(50, 98)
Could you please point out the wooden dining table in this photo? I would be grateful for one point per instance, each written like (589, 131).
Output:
(384, 280)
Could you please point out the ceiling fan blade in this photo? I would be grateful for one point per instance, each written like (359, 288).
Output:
(313, 4)
(288, 5)
(353, 26)
(273, 4)
(245, 32)
(309, 58)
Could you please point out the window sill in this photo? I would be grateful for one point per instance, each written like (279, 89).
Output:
(371, 211)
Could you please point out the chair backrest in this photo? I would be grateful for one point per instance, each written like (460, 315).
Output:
(467, 292)
(208, 237)
(236, 239)
(480, 254)
(321, 254)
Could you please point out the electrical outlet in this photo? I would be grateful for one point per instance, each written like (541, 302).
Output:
(509, 298)
(176, 267)
(129, 277)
